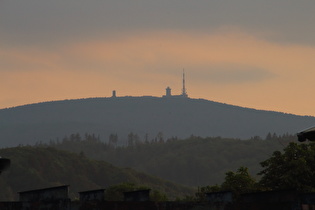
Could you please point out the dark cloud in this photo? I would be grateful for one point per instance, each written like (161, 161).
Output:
(37, 22)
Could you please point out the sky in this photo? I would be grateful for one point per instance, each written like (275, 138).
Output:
(249, 53)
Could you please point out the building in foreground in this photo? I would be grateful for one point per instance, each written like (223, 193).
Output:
(58, 198)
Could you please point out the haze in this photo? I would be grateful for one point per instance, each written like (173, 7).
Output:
(251, 53)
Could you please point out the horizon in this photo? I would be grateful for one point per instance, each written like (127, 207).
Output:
(151, 96)
(245, 53)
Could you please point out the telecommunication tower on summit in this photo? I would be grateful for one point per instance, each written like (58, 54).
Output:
(184, 93)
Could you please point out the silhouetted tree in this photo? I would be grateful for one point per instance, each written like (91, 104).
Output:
(160, 137)
(146, 138)
(131, 139)
(113, 140)
(294, 168)
(239, 182)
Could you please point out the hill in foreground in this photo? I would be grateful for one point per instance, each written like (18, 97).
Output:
(145, 116)
(35, 168)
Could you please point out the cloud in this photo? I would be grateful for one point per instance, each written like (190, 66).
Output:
(46, 23)
(166, 51)
(227, 55)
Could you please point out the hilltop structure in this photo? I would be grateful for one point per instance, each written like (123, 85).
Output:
(168, 92)
(184, 94)
(114, 94)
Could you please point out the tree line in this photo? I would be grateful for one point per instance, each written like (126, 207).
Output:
(133, 139)
(195, 161)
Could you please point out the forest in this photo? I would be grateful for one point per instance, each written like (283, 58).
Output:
(174, 169)
(41, 167)
(194, 161)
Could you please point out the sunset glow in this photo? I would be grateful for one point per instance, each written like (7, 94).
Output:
(230, 64)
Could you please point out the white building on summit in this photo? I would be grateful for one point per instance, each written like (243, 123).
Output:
(184, 93)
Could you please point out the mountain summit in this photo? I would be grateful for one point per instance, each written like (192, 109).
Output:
(144, 116)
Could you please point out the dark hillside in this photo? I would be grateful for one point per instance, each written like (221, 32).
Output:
(179, 117)
(194, 161)
(35, 168)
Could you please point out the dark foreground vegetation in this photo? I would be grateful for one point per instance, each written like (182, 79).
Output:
(291, 169)
(280, 163)
(39, 167)
(285, 181)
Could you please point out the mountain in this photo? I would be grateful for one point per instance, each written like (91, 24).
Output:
(35, 168)
(144, 116)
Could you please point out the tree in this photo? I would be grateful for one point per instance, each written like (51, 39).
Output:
(268, 137)
(294, 168)
(113, 139)
(131, 139)
(159, 137)
(158, 196)
(146, 138)
(239, 182)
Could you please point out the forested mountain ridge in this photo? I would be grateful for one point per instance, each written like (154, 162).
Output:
(194, 161)
(41, 167)
(145, 116)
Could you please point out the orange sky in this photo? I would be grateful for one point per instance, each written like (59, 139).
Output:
(240, 61)
(275, 77)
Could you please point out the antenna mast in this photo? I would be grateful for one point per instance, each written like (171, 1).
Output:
(184, 93)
